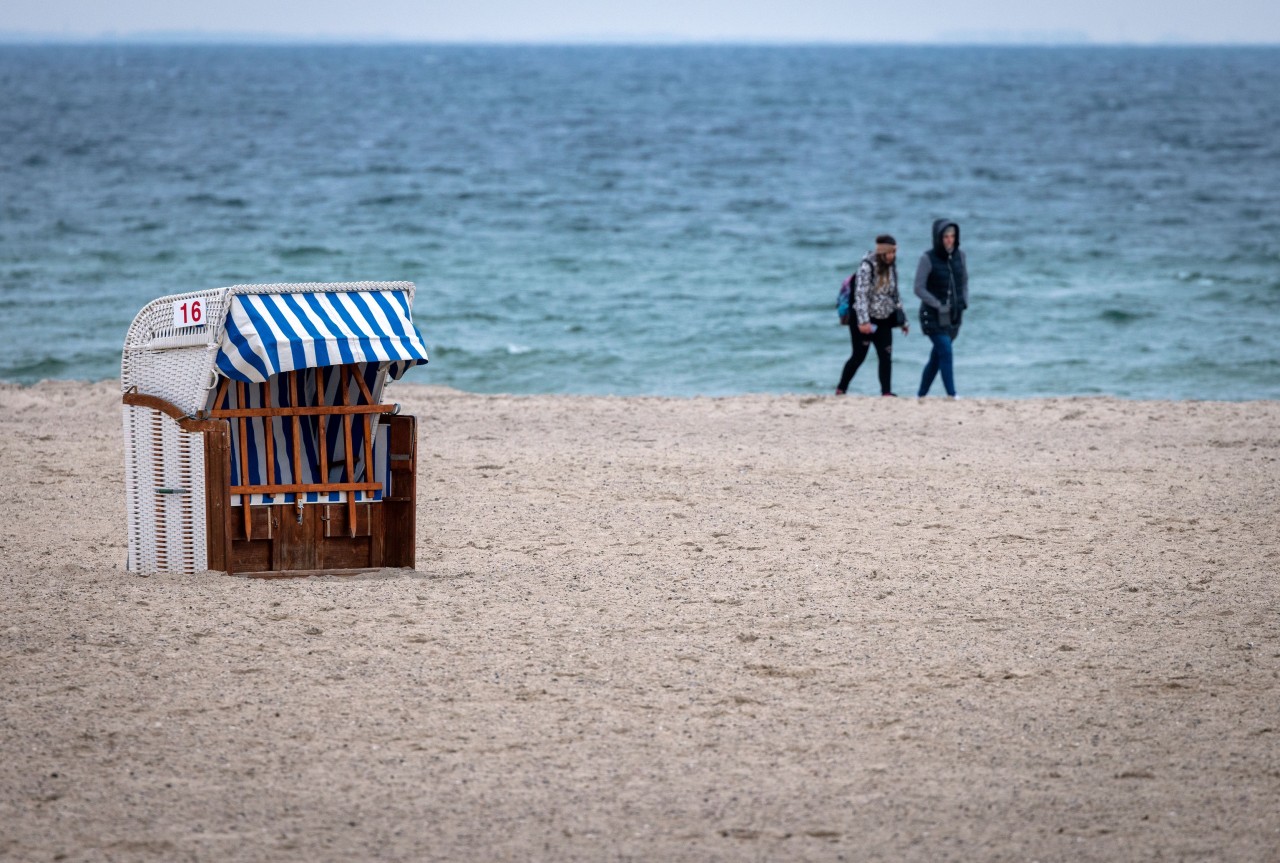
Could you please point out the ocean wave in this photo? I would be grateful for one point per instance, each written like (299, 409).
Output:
(412, 229)
(984, 173)
(820, 242)
(298, 253)
(754, 205)
(34, 370)
(96, 366)
(80, 148)
(391, 200)
(71, 229)
(217, 201)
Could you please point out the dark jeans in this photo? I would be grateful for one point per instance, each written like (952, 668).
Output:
(940, 361)
(882, 338)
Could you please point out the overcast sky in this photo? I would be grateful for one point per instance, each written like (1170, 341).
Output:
(1142, 21)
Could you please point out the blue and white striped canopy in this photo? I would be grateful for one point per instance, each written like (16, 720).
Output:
(267, 334)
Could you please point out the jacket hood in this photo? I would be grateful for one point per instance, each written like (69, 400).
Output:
(939, 226)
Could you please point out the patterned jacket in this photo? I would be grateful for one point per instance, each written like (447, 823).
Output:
(871, 301)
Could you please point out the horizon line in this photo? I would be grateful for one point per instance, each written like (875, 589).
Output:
(967, 40)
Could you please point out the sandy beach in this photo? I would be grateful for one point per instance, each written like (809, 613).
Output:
(750, 628)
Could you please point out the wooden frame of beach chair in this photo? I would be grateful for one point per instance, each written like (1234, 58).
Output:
(304, 472)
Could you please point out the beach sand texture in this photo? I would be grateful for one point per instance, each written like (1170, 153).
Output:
(751, 628)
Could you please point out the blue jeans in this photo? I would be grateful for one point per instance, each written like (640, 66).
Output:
(939, 361)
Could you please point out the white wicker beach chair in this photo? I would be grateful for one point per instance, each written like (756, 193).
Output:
(255, 437)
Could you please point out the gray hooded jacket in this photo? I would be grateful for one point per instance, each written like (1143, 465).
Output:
(942, 279)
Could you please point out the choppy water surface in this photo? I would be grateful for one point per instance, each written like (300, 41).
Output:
(661, 220)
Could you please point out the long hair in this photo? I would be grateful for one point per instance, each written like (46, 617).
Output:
(885, 271)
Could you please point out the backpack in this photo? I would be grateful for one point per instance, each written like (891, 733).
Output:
(844, 299)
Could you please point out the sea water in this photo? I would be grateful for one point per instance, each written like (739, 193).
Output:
(661, 220)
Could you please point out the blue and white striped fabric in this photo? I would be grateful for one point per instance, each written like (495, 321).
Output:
(281, 468)
(271, 333)
(310, 472)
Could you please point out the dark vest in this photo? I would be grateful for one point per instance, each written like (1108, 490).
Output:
(947, 278)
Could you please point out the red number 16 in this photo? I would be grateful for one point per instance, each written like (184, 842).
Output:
(191, 313)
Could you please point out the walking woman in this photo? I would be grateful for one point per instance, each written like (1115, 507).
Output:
(877, 309)
(942, 284)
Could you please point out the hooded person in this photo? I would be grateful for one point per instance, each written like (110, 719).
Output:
(942, 284)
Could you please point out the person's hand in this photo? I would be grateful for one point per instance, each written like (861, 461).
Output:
(944, 309)
(906, 328)
(865, 329)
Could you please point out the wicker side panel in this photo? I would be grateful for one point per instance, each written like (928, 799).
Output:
(182, 375)
(164, 494)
